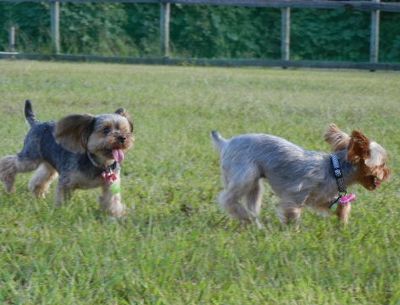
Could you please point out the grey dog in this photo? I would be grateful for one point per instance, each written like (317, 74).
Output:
(297, 176)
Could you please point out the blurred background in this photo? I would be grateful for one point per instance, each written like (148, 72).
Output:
(199, 31)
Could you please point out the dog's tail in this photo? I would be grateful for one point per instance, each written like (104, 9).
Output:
(218, 141)
(29, 115)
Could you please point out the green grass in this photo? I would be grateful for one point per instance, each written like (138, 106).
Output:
(160, 254)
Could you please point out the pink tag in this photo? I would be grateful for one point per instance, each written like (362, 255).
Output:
(347, 199)
(109, 177)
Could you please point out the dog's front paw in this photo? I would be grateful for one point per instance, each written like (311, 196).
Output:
(118, 212)
(118, 209)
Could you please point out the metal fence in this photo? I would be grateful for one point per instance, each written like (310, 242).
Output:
(373, 6)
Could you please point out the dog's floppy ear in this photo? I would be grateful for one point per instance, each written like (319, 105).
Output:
(338, 139)
(358, 147)
(124, 113)
(73, 131)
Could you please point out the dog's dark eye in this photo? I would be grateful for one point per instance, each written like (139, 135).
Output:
(106, 130)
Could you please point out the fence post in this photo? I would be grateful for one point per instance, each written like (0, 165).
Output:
(285, 34)
(165, 13)
(11, 39)
(374, 40)
(55, 26)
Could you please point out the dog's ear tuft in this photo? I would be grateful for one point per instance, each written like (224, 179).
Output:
(121, 111)
(73, 131)
(338, 139)
(358, 147)
(124, 113)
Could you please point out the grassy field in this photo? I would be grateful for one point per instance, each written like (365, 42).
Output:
(173, 247)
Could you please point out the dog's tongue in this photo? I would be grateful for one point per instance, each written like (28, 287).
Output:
(118, 155)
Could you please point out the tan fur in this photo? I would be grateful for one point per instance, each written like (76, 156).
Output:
(377, 154)
(8, 170)
(10, 166)
(289, 213)
(336, 138)
(105, 135)
(96, 145)
(77, 134)
(343, 212)
(124, 113)
(358, 147)
(112, 203)
(73, 132)
(41, 180)
(371, 159)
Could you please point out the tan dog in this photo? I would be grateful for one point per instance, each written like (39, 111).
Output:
(84, 150)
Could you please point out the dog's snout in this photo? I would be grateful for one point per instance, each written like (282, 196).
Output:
(121, 139)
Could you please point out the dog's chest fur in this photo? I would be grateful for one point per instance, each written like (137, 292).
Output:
(79, 180)
(82, 174)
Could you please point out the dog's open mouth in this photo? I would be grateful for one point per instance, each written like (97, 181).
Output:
(118, 155)
(376, 181)
(115, 153)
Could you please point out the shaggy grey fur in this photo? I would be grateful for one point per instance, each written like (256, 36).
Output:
(297, 176)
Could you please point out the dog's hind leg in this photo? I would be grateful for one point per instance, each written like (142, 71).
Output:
(289, 212)
(254, 198)
(8, 171)
(239, 185)
(11, 165)
(254, 201)
(41, 180)
(229, 201)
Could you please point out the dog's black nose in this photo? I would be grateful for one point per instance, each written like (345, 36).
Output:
(121, 139)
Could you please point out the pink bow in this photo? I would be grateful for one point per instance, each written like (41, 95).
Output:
(347, 199)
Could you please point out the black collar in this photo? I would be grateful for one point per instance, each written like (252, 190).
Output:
(337, 171)
(109, 168)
